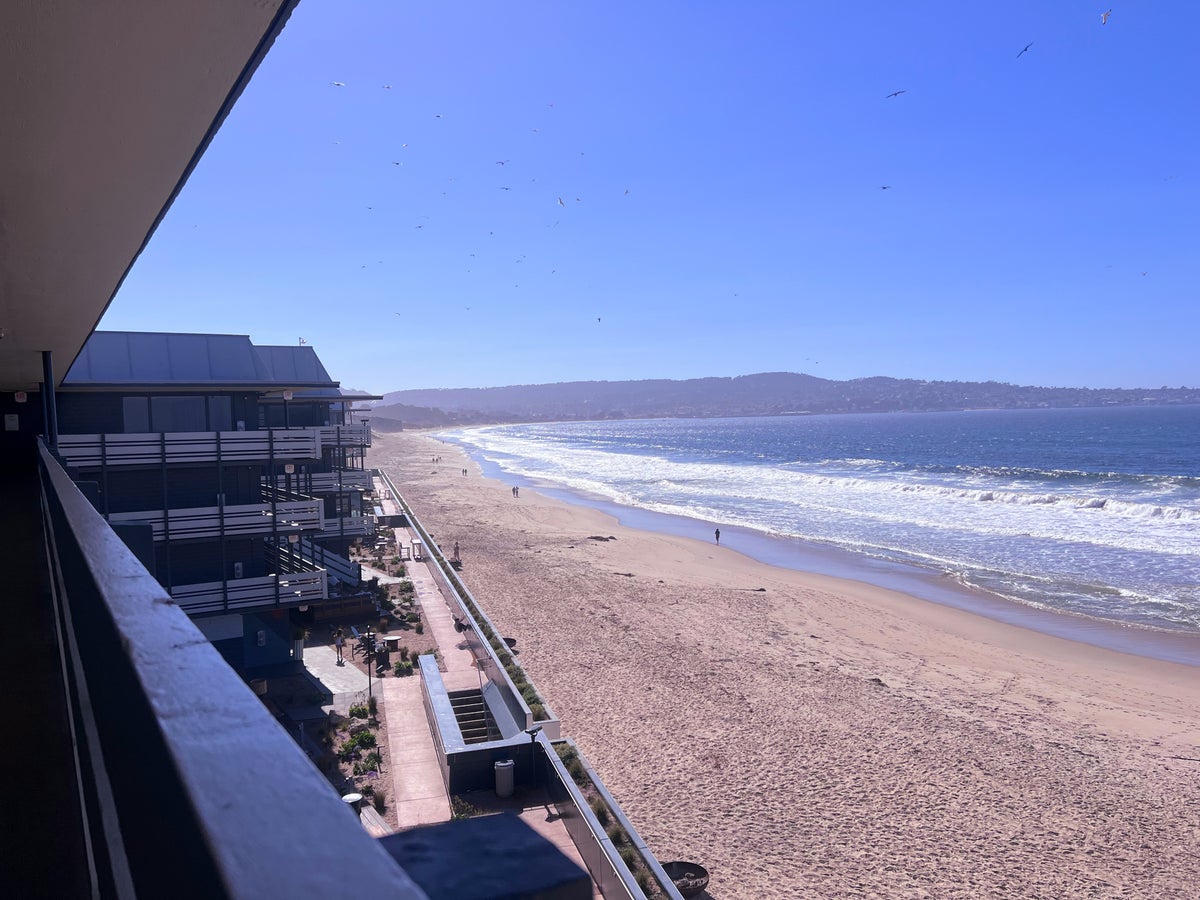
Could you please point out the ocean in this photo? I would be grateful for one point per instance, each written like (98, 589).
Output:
(1088, 513)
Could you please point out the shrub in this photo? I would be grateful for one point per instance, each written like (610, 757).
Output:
(539, 711)
(359, 710)
(462, 809)
(577, 771)
(617, 835)
(631, 857)
(413, 616)
(373, 705)
(420, 628)
(600, 808)
(379, 800)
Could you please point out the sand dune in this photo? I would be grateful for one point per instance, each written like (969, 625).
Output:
(825, 738)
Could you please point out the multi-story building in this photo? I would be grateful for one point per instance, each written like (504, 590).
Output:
(137, 762)
(229, 469)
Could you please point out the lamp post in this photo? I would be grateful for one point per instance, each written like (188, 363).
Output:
(533, 733)
(369, 646)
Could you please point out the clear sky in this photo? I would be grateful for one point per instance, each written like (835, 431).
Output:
(556, 191)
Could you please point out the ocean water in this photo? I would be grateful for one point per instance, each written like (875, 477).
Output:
(1088, 512)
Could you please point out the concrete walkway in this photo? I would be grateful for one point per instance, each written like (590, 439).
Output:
(418, 792)
(347, 684)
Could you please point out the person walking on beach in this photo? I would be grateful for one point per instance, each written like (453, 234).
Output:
(338, 642)
(718, 534)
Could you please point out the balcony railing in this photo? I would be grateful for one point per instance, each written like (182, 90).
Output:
(86, 451)
(229, 521)
(350, 526)
(294, 588)
(327, 482)
(346, 435)
(337, 566)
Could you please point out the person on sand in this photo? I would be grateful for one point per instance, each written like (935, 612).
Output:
(718, 533)
(338, 643)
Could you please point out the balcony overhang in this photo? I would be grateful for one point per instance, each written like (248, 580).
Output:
(107, 108)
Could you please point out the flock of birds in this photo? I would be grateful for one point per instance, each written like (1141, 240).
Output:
(561, 202)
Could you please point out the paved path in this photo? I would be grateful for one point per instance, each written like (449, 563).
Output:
(347, 684)
(418, 792)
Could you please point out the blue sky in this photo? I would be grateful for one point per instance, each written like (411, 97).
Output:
(721, 170)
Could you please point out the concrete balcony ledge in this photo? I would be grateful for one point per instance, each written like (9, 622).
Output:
(485, 859)
(190, 787)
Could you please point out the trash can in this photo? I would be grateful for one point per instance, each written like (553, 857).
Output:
(353, 800)
(504, 778)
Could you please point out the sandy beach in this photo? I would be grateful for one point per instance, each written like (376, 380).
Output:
(804, 736)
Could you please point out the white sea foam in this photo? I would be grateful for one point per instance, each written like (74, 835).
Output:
(1061, 538)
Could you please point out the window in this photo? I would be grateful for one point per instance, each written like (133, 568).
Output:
(137, 414)
(177, 414)
(220, 414)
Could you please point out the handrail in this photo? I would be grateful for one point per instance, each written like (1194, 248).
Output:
(104, 450)
(191, 788)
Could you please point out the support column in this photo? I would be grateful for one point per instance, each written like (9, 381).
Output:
(50, 407)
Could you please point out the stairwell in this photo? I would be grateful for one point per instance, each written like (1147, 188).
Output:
(474, 720)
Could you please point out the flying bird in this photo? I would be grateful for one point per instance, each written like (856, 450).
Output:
(560, 202)
(338, 83)
(885, 187)
(894, 94)
(501, 162)
(387, 87)
(1025, 49)
(1104, 17)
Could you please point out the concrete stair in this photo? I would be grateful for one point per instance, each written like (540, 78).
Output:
(474, 720)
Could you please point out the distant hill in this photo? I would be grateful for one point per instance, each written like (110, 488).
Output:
(766, 394)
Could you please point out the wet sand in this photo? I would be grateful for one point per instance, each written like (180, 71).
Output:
(802, 735)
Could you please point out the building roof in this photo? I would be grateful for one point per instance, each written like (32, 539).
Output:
(122, 359)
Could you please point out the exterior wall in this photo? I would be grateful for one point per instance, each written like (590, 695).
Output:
(274, 630)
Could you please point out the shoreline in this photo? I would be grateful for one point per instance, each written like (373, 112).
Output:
(804, 734)
(912, 580)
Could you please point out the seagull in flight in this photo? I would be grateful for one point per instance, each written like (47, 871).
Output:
(338, 83)
(1104, 17)
(894, 94)
(1025, 49)
(560, 202)
(885, 187)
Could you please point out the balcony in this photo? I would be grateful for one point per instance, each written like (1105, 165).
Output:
(94, 451)
(327, 482)
(346, 435)
(240, 594)
(228, 521)
(349, 526)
